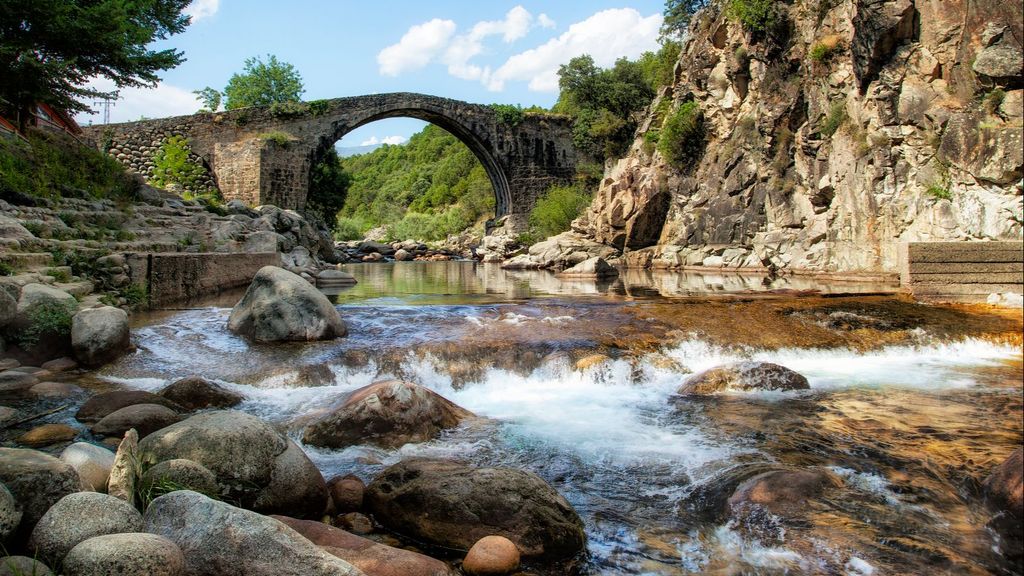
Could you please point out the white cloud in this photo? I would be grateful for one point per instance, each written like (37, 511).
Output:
(606, 36)
(545, 21)
(393, 140)
(200, 9)
(134, 103)
(416, 48)
(516, 24)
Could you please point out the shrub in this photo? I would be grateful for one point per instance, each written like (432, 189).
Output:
(289, 109)
(681, 141)
(835, 118)
(508, 114)
(172, 165)
(50, 317)
(58, 274)
(346, 228)
(6, 269)
(755, 15)
(278, 137)
(556, 210)
(939, 191)
(651, 140)
(823, 50)
(993, 100)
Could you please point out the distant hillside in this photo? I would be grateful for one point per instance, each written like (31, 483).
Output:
(349, 151)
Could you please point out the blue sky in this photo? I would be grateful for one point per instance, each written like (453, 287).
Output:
(485, 52)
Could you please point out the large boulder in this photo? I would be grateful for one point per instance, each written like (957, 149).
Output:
(92, 462)
(127, 554)
(253, 463)
(281, 306)
(453, 505)
(36, 480)
(1004, 487)
(144, 418)
(195, 393)
(744, 376)
(96, 408)
(372, 558)
(591, 268)
(10, 514)
(182, 473)
(218, 539)
(37, 297)
(388, 414)
(78, 517)
(100, 335)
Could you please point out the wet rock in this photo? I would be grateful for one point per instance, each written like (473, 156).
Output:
(346, 493)
(127, 554)
(55, 390)
(1004, 487)
(47, 434)
(491, 556)
(591, 361)
(96, 408)
(218, 539)
(10, 515)
(7, 413)
(195, 393)
(332, 277)
(591, 268)
(281, 306)
(100, 335)
(453, 505)
(78, 517)
(60, 365)
(36, 480)
(253, 463)
(744, 376)
(782, 491)
(15, 381)
(356, 523)
(372, 558)
(403, 255)
(388, 414)
(124, 474)
(23, 566)
(93, 464)
(144, 418)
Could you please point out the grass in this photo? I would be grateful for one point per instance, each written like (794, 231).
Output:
(939, 191)
(682, 138)
(50, 317)
(834, 120)
(556, 210)
(823, 50)
(59, 274)
(279, 137)
(6, 269)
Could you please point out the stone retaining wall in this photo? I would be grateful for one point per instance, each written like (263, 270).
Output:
(962, 271)
(175, 278)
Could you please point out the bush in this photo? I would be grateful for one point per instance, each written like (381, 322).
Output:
(508, 114)
(823, 50)
(346, 228)
(755, 15)
(994, 99)
(58, 274)
(556, 210)
(50, 317)
(681, 141)
(281, 138)
(6, 269)
(939, 191)
(834, 120)
(172, 165)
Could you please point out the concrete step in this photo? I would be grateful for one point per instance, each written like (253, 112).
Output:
(969, 278)
(27, 260)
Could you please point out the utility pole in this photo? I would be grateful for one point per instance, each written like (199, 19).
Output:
(106, 104)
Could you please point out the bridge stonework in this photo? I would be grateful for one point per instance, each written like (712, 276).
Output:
(246, 153)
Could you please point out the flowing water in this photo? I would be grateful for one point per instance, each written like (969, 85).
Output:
(909, 405)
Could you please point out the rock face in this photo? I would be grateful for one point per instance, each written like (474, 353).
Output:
(744, 376)
(453, 505)
(281, 306)
(93, 464)
(865, 124)
(127, 554)
(100, 335)
(195, 393)
(1005, 486)
(372, 558)
(36, 480)
(253, 463)
(78, 517)
(387, 414)
(218, 539)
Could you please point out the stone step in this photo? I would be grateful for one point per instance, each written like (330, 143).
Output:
(77, 289)
(953, 289)
(970, 278)
(27, 260)
(965, 267)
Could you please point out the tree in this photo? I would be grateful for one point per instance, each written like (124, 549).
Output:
(677, 16)
(210, 98)
(50, 49)
(263, 84)
(328, 183)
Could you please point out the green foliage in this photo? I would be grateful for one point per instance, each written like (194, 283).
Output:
(823, 50)
(54, 165)
(81, 264)
(210, 99)
(658, 67)
(651, 138)
(6, 269)
(58, 274)
(556, 210)
(318, 107)
(677, 16)
(758, 16)
(172, 165)
(508, 114)
(49, 317)
(939, 191)
(346, 228)
(279, 137)
(288, 109)
(263, 84)
(328, 185)
(993, 100)
(682, 138)
(50, 49)
(834, 120)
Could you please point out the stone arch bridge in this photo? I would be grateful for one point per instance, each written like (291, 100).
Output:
(263, 155)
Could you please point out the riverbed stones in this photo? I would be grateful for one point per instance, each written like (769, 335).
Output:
(1004, 487)
(23, 566)
(96, 408)
(78, 517)
(491, 556)
(346, 493)
(280, 306)
(218, 539)
(100, 335)
(372, 558)
(195, 393)
(144, 418)
(451, 504)
(47, 434)
(92, 462)
(64, 364)
(10, 515)
(253, 463)
(36, 480)
(782, 491)
(744, 376)
(126, 554)
(388, 414)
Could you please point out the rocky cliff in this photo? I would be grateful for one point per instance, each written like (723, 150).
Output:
(847, 127)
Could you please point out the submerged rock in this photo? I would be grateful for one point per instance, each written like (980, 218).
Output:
(783, 491)
(453, 505)
(195, 393)
(280, 306)
(744, 376)
(388, 414)
(1004, 487)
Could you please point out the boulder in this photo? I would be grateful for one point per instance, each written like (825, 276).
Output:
(253, 463)
(60, 365)
(184, 473)
(55, 390)
(195, 393)
(218, 539)
(388, 414)
(23, 566)
(372, 558)
(346, 493)
(16, 381)
(453, 505)
(403, 255)
(281, 306)
(47, 434)
(36, 480)
(144, 418)
(127, 554)
(744, 376)
(78, 517)
(782, 491)
(595, 267)
(38, 296)
(1004, 487)
(92, 462)
(356, 523)
(491, 556)
(8, 308)
(331, 277)
(370, 246)
(96, 408)
(10, 514)
(124, 474)
(100, 335)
